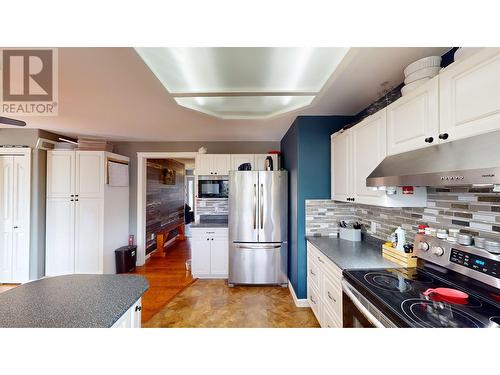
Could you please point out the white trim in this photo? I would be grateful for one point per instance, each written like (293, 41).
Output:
(298, 302)
(141, 194)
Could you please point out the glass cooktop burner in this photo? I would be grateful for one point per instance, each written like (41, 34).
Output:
(394, 282)
(438, 314)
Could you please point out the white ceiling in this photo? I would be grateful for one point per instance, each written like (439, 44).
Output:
(110, 92)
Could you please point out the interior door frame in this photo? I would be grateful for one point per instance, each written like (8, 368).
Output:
(141, 194)
(24, 152)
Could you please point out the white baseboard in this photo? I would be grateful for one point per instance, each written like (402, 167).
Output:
(298, 302)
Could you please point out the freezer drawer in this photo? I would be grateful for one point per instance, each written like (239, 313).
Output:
(258, 263)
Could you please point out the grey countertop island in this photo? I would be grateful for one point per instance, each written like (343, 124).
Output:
(352, 255)
(86, 301)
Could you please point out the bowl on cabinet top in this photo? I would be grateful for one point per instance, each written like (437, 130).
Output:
(422, 73)
(426, 62)
(406, 89)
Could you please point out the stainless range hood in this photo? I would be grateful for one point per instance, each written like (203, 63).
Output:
(474, 160)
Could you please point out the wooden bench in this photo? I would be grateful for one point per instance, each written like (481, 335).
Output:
(162, 236)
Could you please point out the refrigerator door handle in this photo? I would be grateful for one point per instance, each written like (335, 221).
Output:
(261, 206)
(254, 206)
(268, 247)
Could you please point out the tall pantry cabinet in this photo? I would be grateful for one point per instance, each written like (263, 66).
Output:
(87, 219)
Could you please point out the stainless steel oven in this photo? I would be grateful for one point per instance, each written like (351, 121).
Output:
(358, 312)
(213, 187)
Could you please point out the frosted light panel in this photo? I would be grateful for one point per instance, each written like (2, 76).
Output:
(242, 107)
(283, 78)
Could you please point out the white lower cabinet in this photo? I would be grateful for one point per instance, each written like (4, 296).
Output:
(209, 253)
(131, 318)
(324, 290)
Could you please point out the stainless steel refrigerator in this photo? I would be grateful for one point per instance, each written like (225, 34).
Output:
(258, 227)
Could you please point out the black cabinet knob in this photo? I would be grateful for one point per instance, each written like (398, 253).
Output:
(429, 139)
(443, 136)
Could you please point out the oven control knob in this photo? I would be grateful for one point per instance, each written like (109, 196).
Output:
(423, 246)
(437, 251)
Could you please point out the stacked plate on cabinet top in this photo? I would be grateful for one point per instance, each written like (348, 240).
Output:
(419, 72)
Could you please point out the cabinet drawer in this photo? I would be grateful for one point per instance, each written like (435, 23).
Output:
(329, 319)
(314, 301)
(209, 232)
(332, 295)
(313, 272)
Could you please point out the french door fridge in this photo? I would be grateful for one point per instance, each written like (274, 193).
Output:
(258, 227)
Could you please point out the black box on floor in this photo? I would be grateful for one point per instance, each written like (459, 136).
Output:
(125, 258)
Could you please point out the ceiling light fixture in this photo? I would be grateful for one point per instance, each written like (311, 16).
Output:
(243, 83)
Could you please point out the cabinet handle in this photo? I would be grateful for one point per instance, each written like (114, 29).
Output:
(429, 139)
(72, 195)
(76, 200)
(138, 308)
(312, 273)
(443, 136)
(16, 227)
(312, 299)
(330, 296)
(321, 260)
(212, 239)
(71, 200)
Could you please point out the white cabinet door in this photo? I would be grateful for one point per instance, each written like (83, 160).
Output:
(368, 150)
(221, 164)
(219, 256)
(60, 174)
(260, 161)
(200, 256)
(341, 166)
(470, 95)
(136, 313)
(413, 118)
(89, 174)
(60, 229)
(89, 214)
(238, 159)
(203, 164)
(21, 220)
(6, 209)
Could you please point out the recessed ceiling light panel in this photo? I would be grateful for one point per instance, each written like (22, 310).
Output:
(277, 79)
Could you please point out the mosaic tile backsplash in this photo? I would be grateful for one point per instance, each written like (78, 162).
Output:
(211, 206)
(472, 210)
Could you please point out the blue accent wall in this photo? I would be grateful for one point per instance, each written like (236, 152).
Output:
(306, 156)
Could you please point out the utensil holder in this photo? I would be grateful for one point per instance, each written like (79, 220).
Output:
(350, 234)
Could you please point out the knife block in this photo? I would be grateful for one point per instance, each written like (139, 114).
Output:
(350, 234)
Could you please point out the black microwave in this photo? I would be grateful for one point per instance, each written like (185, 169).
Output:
(213, 188)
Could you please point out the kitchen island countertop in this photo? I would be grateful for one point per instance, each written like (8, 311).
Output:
(352, 255)
(86, 301)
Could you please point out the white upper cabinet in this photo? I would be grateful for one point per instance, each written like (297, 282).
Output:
(341, 166)
(470, 95)
(60, 174)
(413, 119)
(238, 159)
(213, 164)
(89, 174)
(368, 150)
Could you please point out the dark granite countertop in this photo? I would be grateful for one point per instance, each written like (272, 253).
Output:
(209, 225)
(86, 301)
(352, 255)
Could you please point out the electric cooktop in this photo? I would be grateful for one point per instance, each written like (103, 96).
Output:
(399, 294)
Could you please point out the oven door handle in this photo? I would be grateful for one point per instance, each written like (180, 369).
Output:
(346, 288)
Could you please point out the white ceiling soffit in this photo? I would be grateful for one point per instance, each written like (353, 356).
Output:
(243, 83)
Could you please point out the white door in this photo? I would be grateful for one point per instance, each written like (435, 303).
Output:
(89, 174)
(60, 174)
(222, 164)
(89, 215)
(470, 95)
(219, 256)
(200, 257)
(203, 164)
(238, 159)
(341, 166)
(6, 222)
(21, 219)
(413, 119)
(60, 249)
(368, 150)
